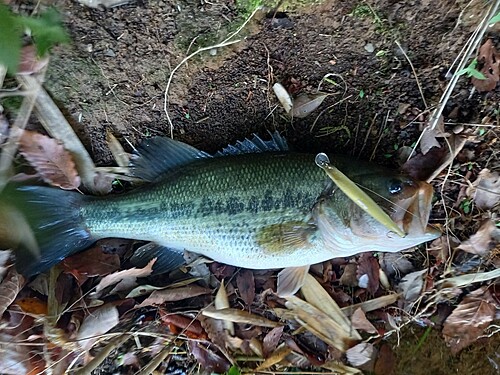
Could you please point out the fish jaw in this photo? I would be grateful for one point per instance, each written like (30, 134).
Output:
(360, 232)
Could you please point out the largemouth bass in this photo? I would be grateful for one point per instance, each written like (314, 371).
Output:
(254, 205)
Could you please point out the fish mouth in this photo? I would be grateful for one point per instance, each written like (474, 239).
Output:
(412, 212)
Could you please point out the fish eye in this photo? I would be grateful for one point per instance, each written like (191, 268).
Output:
(395, 186)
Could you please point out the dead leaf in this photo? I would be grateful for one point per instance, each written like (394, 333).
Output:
(208, 359)
(368, 272)
(15, 359)
(485, 191)
(121, 157)
(53, 163)
(30, 62)
(246, 286)
(348, 277)
(395, 264)
(170, 295)
(420, 166)
(362, 355)
(271, 340)
(372, 304)
(33, 305)
(428, 140)
(98, 322)
(283, 96)
(239, 316)
(124, 280)
(411, 286)
(222, 302)
(303, 105)
(9, 289)
(489, 58)
(183, 324)
(276, 357)
(360, 322)
(90, 263)
(485, 239)
(469, 319)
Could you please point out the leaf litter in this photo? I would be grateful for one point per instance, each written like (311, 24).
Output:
(264, 331)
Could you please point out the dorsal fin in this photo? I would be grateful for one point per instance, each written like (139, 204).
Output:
(160, 155)
(256, 145)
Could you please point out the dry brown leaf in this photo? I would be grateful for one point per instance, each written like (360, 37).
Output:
(121, 157)
(485, 239)
(30, 62)
(420, 167)
(98, 322)
(9, 289)
(53, 163)
(489, 58)
(239, 316)
(428, 140)
(124, 280)
(485, 191)
(222, 302)
(372, 304)
(411, 286)
(246, 285)
(304, 104)
(89, 263)
(271, 340)
(469, 319)
(362, 355)
(283, 96)
(207, 358)
(14, 359)
(386, 361)
(170, 295)
(275, 358)
(368, 272)
(360, 322)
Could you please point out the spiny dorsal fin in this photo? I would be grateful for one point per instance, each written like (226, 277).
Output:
(256, 145)
(160, 155)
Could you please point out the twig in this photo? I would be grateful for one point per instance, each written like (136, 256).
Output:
(414, 73)
(226, 42)
(479, 33)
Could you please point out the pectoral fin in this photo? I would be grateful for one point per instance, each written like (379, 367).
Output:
(290, 280)
(286, 236)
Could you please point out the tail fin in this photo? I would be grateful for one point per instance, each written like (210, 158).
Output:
(56, 224)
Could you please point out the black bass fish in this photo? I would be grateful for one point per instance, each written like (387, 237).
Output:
(254, 205)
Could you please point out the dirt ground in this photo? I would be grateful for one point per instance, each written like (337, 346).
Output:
(113, 75)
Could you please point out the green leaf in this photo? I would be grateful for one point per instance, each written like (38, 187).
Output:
(476, 74)
(10, 39)
(46, 30)
(361, 93)
(495, 19)
(234, 370)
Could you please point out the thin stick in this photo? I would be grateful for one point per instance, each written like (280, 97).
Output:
(226, 42)
(414, 73)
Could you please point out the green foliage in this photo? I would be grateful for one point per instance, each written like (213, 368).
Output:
(471, 71)
(495, 19)
(46, 31)
(234, 370)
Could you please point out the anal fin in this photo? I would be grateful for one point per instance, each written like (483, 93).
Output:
(290, 280)
(167, 259)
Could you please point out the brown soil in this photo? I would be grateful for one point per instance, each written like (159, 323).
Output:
(114, 73)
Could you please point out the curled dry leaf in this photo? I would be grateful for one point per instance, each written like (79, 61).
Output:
(222, 302)
(489, 58)
(362, 355)
(170, 295)
(271, 340)
(411, 286)
(483, 240)
(368, 272)
(53, 163)
(468, 321)
(360, 322)
(207, 358)
(98, 322)
(276, 357)
(283, 96)
(486, 189)
(124, 280)
(30, 62)
(239, 316)
(9, 289)
(246, 286)
(304, 104)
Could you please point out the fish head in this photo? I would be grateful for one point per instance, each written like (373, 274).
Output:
(346, 228)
